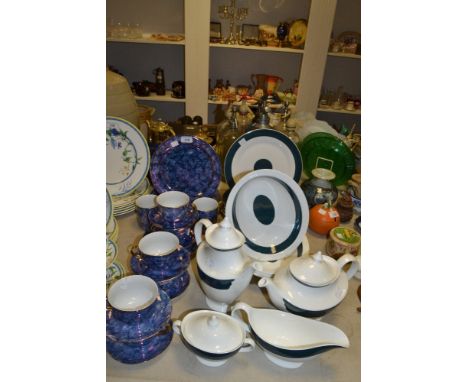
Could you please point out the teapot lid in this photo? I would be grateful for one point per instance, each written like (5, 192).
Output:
(224, 236)
(316, 270)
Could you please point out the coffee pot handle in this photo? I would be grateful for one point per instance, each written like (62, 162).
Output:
(197, 230)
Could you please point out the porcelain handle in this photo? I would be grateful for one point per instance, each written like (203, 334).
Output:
(176, 326)
(236, 315)
(198, 229)
(348, 258)
(133, 250)
(249, 345)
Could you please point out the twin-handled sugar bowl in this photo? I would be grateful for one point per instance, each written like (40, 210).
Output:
(310, 286)
(223, 269)
(159, 256)
(212, 336)
(138, 323)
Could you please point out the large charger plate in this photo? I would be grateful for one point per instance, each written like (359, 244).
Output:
(127, 156)
(187, 164)
(270, 209)
(327, 151)
(262, 149)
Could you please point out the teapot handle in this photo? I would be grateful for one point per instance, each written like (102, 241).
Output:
(197, 230)
(348, 258)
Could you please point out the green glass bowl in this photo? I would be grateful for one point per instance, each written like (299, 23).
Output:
(327, 151)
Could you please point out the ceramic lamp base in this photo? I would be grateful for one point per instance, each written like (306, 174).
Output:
(282, 362)
(217, 306)
(210, 362)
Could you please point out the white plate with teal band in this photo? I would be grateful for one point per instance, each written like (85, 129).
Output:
(271, 210)
(127, 156)
(108, 207)
(262, 149)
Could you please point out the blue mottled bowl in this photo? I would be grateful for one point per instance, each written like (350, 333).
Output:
(175, 285)
(140, 350)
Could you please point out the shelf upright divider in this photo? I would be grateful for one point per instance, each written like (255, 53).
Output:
(319, 28)
(197, 55)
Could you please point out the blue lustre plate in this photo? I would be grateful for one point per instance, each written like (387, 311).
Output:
(187, 164)
(262, 149)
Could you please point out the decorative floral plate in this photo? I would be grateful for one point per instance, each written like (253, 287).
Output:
(187, 164)
(327, 151)
(127, 156)
(263, 148)
(111, 252)
(271, 211)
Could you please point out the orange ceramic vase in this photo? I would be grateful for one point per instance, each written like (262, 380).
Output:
(322, 218)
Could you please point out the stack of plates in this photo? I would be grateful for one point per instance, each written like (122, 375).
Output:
(112, 230)
(125, 204)
(114, 269)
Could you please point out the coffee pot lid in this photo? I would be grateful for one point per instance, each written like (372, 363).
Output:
(224, 236)
(316, 270)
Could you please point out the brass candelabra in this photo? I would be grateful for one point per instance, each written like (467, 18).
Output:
(232, 13)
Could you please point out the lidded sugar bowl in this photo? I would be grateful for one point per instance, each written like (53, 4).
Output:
(310, 286)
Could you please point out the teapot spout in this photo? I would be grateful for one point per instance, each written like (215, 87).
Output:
(276, 295)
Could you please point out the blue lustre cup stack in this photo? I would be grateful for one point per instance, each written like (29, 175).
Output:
(160, 256)
(175, 214)
(138, 320)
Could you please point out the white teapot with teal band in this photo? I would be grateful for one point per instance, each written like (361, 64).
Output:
(310, 286)
(224, 271)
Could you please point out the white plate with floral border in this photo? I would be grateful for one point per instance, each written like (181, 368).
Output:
(127, 156)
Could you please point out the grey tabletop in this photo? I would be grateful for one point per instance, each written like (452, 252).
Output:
(177, 363)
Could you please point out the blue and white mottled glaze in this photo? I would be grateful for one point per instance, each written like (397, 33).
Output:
(161, 267)
(134, 325)
(142, 218)
(162, 218)
(140, 350)
(175, 285)
(187, 164)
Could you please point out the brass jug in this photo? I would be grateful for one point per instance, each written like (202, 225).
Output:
(158, 132)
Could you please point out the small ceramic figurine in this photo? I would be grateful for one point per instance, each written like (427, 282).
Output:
(345, 207)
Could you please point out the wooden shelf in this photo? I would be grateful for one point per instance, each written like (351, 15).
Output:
(145, 40)
(346, 55)
(259, 48)
(342, 111)
(157, 98)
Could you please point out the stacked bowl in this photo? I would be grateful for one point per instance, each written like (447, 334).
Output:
(160, 257)
(138, 320)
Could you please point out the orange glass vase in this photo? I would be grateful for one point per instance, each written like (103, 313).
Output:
(322, 218)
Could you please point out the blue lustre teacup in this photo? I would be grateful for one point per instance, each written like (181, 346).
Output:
(207, 208)
(173, 210)
(143, 205)
(159, 255)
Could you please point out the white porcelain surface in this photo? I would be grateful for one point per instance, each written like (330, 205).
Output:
(271, 211)
(323, 173)
(206, 204)
(268, 268)
(289, 332)
(284, 286)
(222, 236)
(146, 201)
(132, 293)
(316, 270)
(172, 199)
(159, 243)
